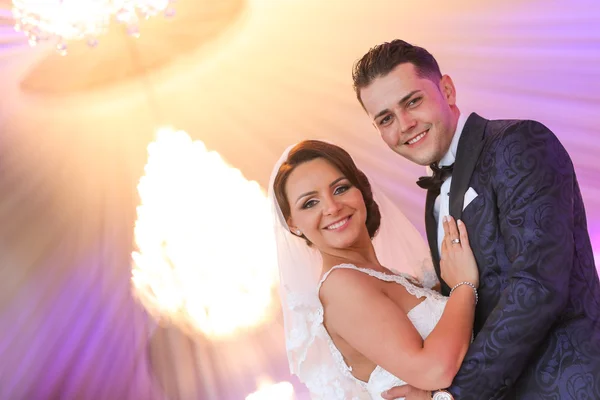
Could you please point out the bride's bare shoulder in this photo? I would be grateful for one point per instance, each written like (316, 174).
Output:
(342, 282)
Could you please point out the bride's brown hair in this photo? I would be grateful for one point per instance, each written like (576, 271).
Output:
(308, 150)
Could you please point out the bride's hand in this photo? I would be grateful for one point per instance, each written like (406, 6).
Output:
(457, 263)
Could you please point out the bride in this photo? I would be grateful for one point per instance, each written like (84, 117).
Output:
(359, 310)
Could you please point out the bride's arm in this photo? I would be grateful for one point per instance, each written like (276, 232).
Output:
(374, 326)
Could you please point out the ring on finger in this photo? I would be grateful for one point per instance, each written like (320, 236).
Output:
(456, 241)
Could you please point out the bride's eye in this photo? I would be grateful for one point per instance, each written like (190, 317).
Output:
(309, 204)
(341, 189)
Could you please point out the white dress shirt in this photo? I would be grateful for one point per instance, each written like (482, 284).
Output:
(441, 207)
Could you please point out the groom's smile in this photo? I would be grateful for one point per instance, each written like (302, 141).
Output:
(417, 138)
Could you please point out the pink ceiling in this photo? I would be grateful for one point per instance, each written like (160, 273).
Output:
(247, 80)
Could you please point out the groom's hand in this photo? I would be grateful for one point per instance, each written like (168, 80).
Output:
(406, 391)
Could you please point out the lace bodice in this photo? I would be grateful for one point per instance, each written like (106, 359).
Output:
(424, 317)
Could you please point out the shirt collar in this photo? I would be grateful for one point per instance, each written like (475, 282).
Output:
(450, 156)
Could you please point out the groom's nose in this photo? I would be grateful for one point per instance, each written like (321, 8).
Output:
(406, 122)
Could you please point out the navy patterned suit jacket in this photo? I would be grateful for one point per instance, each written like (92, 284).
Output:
(537, 324)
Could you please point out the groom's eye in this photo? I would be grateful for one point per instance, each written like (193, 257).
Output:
(385, 120)
(414, 102)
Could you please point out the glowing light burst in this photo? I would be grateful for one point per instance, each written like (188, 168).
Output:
(206, 256)
(267, 390)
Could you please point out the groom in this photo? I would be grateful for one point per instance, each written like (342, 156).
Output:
(537, 323)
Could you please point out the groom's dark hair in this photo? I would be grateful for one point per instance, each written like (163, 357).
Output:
(383, 58)
(308, 150)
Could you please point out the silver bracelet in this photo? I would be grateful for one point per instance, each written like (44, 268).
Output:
(468, 284)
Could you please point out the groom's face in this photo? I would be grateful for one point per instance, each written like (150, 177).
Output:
(416, 116)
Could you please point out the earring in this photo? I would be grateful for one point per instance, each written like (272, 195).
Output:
(298, 232)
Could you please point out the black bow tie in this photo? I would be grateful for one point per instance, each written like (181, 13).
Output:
(434, 182)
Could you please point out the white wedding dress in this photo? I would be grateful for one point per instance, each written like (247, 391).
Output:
(424, 317)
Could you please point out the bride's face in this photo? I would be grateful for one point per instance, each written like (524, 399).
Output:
(325, 206)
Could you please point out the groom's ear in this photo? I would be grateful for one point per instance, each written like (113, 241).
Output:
(448, 90)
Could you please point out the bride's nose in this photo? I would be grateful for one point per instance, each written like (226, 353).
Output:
(332, 206)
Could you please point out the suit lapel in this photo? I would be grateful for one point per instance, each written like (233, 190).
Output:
(467, 154)
(431, 226)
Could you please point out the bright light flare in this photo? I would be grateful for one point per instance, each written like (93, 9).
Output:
(273, 391)
(206, 253)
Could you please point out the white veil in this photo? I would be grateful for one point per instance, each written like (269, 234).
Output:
(398, 246)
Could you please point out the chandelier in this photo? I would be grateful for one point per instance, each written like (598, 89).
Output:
(206, 259)
(63, 20)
